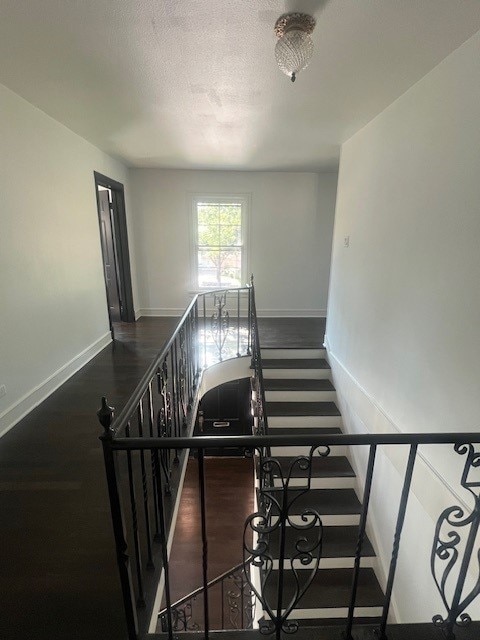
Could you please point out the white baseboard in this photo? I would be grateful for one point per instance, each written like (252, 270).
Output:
(137, 314)
(292, 313)
(33, 398)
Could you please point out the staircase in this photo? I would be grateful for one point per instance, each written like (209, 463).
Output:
(300, 397)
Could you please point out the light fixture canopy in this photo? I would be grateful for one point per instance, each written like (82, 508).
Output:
(294, 47)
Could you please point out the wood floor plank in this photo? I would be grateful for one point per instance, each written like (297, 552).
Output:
(59, 577)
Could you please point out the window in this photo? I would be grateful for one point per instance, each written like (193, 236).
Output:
(219, 225)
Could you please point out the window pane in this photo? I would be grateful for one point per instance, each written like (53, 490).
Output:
(219, 244)
(230, 235)
(207, 213)
(209, 235)
(230, 214)
(219, 268)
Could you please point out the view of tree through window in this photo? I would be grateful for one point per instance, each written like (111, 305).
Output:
(219, 244)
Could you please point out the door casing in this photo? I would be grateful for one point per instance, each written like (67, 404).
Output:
(120, 239)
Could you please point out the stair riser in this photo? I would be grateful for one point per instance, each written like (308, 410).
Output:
(301, 374)
(321, 483)
(329, 563)
(272, 354)
(360, 612)
(347, 520)
(300, 396)
(279, 452)
(304, 421)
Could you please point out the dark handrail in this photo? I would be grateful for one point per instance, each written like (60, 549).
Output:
(257, 355)
(211, 583)
(314, 440)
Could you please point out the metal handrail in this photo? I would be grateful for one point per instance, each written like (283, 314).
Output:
(314, 440)
(257, 355)
(211, 583)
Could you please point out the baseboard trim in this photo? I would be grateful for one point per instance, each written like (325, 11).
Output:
(13, 414)
(292, 313)
(394, 428)
(137, 314)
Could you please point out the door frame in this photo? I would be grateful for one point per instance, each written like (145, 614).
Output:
(120, 243)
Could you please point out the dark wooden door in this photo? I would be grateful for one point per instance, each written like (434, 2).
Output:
(109, 261)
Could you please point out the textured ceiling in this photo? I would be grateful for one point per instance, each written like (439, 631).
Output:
(194, 83)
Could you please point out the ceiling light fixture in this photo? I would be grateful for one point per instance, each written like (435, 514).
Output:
(294, 48)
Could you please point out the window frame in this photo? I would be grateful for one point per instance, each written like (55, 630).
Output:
(244, 199)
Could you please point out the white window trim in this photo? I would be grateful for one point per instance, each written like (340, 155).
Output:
(245, 200)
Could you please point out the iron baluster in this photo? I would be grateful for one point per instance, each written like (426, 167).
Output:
(105, 416)
(183, 610)
(361, 536)
(238, 323)
(276, 497)
(146, 507)
(164, 423)
(154, 458)
(164, 550)
(201, 479)
(249, 316)
(204, 332)
(220, 322)
(446, 549)
(222, 595)
(136, 539)
(396, 539)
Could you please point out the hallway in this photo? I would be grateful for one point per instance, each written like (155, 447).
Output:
(59, 575)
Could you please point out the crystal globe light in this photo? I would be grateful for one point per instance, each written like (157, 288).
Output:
(293, 52)
(294, 47)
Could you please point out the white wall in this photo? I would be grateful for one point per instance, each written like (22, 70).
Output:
(291, 222)
(404, 305)
(52, 291)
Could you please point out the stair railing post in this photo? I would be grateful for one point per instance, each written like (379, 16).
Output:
(203, 515)
(105, 416)
(396, 539)
(361, 536)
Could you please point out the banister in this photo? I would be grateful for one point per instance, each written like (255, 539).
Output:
(199, 590)
(251, 442)
(141, 387)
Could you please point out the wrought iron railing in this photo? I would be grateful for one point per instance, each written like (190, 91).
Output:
(144, 445)
(232, 598)
(215, 327)
(454, 542)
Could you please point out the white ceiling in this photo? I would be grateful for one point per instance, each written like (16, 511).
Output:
(194, 83)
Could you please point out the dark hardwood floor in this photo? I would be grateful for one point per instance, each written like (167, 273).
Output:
(229, 487)
(58, 572)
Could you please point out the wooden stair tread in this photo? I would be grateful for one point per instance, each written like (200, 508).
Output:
(329, 467)
(277, 409)
(360, 623)
(330, 589)
(294, 384)
(324, 501)
(303, 431)
(295, 363)
(338, 542)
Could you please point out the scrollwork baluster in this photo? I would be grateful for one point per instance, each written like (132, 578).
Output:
(276, 499)
(446, 545)
(220, 322)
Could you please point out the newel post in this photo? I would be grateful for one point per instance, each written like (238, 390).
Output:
(105, 416)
